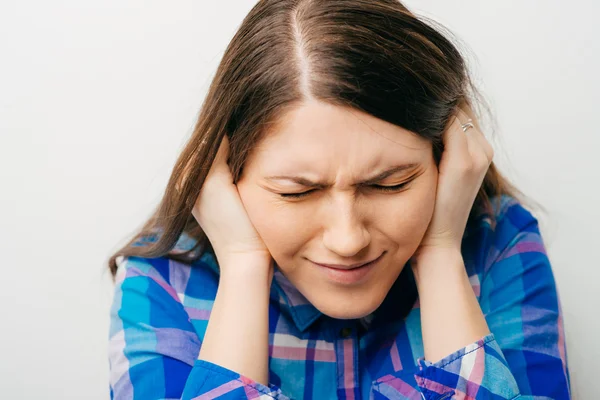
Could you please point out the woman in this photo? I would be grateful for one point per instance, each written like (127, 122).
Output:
(337, 215)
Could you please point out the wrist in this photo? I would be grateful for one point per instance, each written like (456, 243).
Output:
(435, 256)
(440, 264)
(246, 272)
(242, 300)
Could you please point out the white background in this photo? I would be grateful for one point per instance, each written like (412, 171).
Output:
(98, 97)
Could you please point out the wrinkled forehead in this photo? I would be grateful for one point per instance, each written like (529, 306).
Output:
(320, 134)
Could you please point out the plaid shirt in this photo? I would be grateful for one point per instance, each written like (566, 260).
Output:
(161, 309)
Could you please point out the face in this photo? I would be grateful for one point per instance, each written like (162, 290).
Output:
(336, 186)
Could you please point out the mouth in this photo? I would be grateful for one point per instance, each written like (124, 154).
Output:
(348, 274)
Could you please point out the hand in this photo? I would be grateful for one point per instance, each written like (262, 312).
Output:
(465, 161)
(221, 214)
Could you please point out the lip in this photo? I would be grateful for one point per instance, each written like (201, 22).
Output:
(348, 274)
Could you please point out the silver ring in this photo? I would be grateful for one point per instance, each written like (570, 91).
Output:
(467, 125)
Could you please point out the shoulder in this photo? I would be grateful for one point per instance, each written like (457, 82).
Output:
(192, 285)
(511, 229)
(168, 272)
(510, 219)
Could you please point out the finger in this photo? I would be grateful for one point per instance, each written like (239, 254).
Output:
(468, 110)
(218, 174)
(220, 162)
(455, 142)
(478, 145)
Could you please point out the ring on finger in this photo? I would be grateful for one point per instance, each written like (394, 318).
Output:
(469, 124)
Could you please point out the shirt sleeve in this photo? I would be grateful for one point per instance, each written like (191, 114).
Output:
(153, 346)
(525, 355)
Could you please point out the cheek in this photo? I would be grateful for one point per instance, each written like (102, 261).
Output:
(282, 231)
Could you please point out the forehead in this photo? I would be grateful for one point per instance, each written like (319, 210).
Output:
(317, 136)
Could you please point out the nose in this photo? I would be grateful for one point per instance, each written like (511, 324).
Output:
(345, 232)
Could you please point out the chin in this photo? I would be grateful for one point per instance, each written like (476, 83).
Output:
(349, 306)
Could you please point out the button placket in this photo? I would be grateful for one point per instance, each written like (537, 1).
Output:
(346, 343)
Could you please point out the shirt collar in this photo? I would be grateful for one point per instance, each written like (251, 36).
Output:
(399, 301)
(292, 302)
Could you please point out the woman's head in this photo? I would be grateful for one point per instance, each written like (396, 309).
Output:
(334, 92)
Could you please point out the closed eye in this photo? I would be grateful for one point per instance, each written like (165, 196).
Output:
(381, 188)
(296, 195)
(390, 188)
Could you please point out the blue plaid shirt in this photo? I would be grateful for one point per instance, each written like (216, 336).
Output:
(161, 309)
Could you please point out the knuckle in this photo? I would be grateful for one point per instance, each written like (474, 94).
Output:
(483, 162)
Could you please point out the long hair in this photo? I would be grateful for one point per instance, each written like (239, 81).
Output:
(372, 55)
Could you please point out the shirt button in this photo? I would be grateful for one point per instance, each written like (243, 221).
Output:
(345, 332)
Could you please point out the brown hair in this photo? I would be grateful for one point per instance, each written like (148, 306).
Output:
(372, 55)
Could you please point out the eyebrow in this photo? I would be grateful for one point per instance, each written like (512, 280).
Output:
(369, 181)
